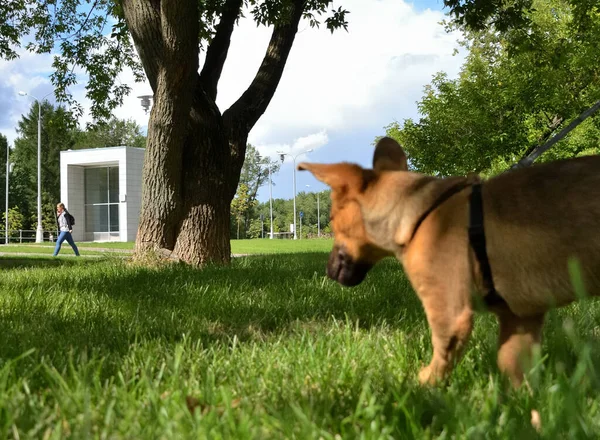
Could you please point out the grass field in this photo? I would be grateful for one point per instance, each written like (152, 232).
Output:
(262, 246)
(268, 348)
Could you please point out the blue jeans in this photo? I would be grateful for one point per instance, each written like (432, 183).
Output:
(65, 235)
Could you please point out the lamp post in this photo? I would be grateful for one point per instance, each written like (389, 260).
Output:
(8, 171)
(39, 233)
(282, 156)
(318, 213)
(145, 102)
(271, 199)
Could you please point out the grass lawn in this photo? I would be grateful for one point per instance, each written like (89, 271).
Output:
(280, 246)
(267, 348)
(257, 246)
(117, 245)
(47, 250)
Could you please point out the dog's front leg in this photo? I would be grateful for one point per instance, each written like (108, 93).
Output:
(517, 338)
(451, 322)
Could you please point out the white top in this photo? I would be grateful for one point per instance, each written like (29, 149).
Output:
(62, 222)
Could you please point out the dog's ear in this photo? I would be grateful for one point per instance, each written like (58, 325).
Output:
(339, 176)
(389, 156)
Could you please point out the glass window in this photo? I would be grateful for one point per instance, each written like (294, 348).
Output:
(96, 185)
(113, 185)
(96, 218)
(102, 201)
(114, 217)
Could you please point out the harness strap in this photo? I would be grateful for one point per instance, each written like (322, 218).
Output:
(476, 235)
(441, 199)
(477, 241)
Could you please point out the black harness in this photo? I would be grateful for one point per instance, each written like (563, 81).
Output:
(477, 241)
(476, 235)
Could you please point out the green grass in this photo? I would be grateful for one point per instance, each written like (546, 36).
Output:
(48, 250)
(268, 348)
(258, 246)
(280, 246)
(128, 245)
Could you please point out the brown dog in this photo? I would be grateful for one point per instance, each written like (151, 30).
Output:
(508, 241)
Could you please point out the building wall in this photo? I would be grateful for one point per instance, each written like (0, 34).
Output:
(75, 199)
(135, 163)
(130, 162)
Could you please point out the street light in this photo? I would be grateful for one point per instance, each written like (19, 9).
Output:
(39, 234)
(271, 199)
(146, 101)
(9, 167)
(318, 213)
(282, 156)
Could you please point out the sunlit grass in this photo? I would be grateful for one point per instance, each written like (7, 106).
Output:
(268, 348)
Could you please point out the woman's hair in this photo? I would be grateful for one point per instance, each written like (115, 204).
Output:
(61, 205)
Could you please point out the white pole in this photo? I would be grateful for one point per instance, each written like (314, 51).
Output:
(7, 172)
(39, 236)
(294, 160)
(318, 216)
(271, 199)
(39, 233)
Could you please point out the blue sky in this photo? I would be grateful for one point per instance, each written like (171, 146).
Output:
(336, 95)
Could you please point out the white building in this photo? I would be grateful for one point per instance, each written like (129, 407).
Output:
(102, 189)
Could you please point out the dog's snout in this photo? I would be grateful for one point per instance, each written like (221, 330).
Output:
(345, 269)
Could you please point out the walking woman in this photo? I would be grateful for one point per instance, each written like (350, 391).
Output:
(63, 221)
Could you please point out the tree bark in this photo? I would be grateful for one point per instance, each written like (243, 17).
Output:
(194, 154)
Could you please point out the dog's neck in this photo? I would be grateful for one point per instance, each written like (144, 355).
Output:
(398, 201)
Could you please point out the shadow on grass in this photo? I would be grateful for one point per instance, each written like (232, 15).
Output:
(103, 309)
(18, 262)
(106, 307)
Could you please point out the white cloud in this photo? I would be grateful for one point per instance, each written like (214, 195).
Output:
(345, 81)
(332, 83)
(312, 142)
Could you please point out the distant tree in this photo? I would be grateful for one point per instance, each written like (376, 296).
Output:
(240, 205)
(3, 147)
(57, 134)
(15, 219)
(517, 88)
(112, 133)
(255, 171)
(255, 229)
(49, 215)
(255, 174)
(283, 214)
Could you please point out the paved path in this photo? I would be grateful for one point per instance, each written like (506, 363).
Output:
(71, 254)
(79, 246)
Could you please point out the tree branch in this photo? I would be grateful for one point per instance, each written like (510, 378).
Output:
(538, 151)
(144, 23)
(217, 51)
(245, 112)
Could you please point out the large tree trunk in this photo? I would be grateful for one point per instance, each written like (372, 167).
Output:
(194, 154)
(210, 179)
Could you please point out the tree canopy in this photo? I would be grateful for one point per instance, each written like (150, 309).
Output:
(57, 134)
(516, 89)
(92, 36)
(115, 132)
